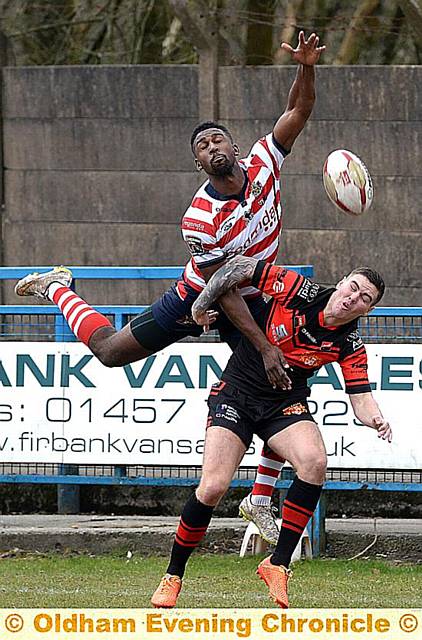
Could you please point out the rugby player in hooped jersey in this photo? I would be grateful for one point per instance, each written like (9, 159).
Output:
(313, 325)
(237, 210)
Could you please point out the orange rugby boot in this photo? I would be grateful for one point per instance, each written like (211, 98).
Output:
(167, 592)
(276, 578)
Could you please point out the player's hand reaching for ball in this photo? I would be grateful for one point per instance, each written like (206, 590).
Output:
(382, 426)
(307, 51)
(275, 367)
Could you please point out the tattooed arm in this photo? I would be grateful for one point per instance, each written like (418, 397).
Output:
(222, 287)
(236, 270)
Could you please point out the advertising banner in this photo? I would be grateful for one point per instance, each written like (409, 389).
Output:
(58, 404)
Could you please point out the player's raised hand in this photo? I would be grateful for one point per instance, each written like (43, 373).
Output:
(307, 51)
(275, 368)
(382, 426)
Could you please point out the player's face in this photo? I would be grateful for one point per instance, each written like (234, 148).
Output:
(355, 296)
(215, 153)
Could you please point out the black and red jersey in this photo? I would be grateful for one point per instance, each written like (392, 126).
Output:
(294, 321)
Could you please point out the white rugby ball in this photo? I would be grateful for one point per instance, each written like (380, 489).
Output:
(347, 182)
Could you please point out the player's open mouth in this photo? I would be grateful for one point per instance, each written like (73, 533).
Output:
(218, 159)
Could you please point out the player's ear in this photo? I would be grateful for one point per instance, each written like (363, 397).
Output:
(236, 150)
(369, 310)
(340, 282)
(198, 165)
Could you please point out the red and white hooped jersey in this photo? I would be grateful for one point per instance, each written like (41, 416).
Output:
(216, 227)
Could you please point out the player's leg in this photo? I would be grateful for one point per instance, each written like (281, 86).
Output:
(257, 506)
(222, 454)
(302, 445)
(140, 338)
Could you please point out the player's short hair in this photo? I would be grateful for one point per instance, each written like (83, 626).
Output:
(202, 126)
(374, 278)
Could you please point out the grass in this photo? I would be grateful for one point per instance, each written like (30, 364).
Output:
(211, 581)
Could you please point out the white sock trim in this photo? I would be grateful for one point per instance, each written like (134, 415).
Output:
(263, 479)
(260, 501)
(82, 306)
(82, 317)
(271, 464)
(52, 288)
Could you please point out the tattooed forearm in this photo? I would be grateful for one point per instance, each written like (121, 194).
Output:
(234, 271)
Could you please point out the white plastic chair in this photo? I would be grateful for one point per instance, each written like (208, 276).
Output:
(253, 538)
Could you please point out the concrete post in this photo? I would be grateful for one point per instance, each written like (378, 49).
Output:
(3, 63)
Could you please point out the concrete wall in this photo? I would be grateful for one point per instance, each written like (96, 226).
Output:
(98, 169)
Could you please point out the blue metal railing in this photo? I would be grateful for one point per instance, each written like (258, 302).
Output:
(127, 273)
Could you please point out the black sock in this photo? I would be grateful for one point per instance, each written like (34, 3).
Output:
(299, 505)
(192, 527)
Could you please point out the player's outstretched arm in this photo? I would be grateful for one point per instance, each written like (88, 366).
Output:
(302, 93)
(366, 410)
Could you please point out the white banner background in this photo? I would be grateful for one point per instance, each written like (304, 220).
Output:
(59, 404)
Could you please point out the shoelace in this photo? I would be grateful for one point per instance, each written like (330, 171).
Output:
(166, 585)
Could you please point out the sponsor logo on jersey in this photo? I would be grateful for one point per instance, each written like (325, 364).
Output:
(295, 409)
(256, 188)
(355, 339)
(189, 224)
(228, 224)
(308, 290)
(278, 287)
(227, 412)
(279, 332)
(308, 335)
(269, 219)
(195, 246)
(299, 321)
(310, 360)
(326, 346)
(247, 216)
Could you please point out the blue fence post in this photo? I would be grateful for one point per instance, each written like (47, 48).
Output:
(68, 495)
(318, 536)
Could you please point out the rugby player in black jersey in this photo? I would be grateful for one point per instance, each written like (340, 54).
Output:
(313, 325)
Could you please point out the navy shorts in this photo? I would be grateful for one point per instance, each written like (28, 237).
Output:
(246, 415)
(169, 319)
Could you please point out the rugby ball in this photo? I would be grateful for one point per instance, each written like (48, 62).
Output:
(347, 182)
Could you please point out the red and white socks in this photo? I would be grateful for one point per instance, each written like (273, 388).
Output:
(269, 468)
(82, 319)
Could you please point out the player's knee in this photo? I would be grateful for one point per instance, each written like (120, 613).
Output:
(108, 356)
(313, 467)
(211, 490)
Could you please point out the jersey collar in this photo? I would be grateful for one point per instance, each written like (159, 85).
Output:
(236, 196)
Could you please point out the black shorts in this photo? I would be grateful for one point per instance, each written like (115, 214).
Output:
(246, 415)
(169, 319)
